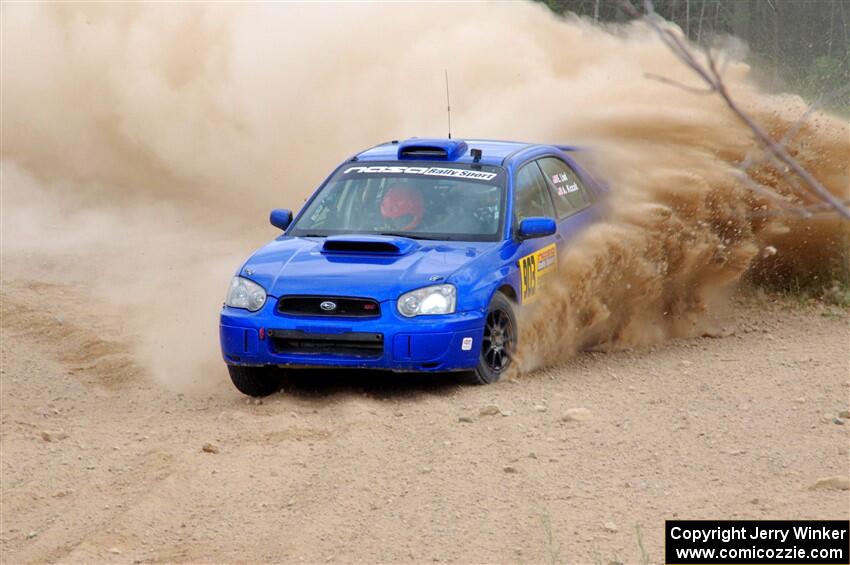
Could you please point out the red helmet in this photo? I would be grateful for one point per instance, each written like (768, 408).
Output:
(400, 201)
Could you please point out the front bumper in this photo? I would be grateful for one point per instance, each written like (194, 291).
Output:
(391, 342)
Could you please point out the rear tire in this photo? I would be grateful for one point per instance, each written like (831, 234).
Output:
(255, 381)
(499, 343)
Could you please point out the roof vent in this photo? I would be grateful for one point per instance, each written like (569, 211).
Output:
(431, 149)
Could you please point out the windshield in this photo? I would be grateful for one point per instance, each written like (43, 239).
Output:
(421, 200)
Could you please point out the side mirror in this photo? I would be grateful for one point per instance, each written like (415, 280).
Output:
(280, 218)
(531, 228)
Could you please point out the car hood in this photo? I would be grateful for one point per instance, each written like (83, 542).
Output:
(378, 267)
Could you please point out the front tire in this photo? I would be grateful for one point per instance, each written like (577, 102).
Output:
(255, 381)
(499, 343)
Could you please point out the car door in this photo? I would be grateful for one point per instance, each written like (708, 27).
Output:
(572, 199)
(536, 258)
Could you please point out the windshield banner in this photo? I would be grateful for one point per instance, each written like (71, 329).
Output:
(466, 174)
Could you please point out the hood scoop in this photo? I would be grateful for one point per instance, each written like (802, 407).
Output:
(368, 244)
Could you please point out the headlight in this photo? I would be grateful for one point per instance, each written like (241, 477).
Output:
(245, 294)
(437, 299)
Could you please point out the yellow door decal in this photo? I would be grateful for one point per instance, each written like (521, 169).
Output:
(535, 268)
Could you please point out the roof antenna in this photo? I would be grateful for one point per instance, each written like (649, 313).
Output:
(448, 104)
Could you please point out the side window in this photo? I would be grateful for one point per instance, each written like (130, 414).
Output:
(568, 192)
(530, 198)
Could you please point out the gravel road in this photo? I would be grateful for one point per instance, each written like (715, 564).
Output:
(102, 464)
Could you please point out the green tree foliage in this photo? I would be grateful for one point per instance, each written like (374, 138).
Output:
(800, 45)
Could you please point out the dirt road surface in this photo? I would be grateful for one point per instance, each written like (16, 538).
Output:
(101, 464)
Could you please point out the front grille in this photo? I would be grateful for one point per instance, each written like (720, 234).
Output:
(341, 306)
(352, 344)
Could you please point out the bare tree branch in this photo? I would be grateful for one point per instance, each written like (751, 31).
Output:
(678, 84)
(771, 194)
(780, 152)
(783, 170)
(817, 104)
(712, 77)
(792, 131)
(750, 161)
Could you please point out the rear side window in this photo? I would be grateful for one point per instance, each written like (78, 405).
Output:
(569, 194)
(530, 195)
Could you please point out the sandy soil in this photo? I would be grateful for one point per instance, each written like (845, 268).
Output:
(100, 464)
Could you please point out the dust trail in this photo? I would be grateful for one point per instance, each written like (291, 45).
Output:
(682, 228)
(143, 145)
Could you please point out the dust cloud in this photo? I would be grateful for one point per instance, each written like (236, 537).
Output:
(143, 145)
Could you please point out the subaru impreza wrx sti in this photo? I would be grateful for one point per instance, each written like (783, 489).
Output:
(410, 256)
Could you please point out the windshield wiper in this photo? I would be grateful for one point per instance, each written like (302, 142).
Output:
(311, 235)
(412, 236)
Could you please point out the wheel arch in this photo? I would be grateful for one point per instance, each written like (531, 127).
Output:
(509, 292)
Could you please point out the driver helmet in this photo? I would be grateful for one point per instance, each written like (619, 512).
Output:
(403, 203)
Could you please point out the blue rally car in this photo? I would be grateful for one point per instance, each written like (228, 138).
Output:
(411, 256)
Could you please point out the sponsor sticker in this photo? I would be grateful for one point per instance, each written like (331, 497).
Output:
(426, 171)
(534, 269)
(563, 190)
(563, 185)
(466, 344)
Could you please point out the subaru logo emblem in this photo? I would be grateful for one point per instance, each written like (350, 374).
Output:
(328, 306)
